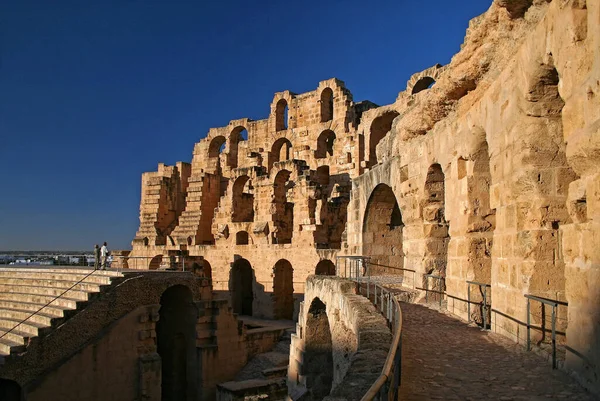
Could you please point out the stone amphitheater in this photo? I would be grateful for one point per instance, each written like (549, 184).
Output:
(444, 246)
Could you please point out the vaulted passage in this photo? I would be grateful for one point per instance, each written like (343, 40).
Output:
(383, 232)
(318, 356)
(176, 343)
(325, 268)
(284, 211)
(280, 151)
(283, 290)
(242, 200)
(435, 225)
(379, 129)
(240, 284)
(239, 134)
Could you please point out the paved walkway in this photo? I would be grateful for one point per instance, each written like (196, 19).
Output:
(445, 359)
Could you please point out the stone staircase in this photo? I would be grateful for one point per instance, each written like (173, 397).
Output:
(33, 300)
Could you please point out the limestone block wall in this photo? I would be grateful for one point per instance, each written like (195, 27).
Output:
(340, 344)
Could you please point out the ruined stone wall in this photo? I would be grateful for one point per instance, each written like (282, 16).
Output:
(341, 342)
(484, 169)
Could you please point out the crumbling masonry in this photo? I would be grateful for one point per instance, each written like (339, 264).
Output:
(485, 169)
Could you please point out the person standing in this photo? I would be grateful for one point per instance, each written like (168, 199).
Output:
(96, 257)
(104, 255)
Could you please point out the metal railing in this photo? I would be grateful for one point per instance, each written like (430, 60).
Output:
(46, 260)
(554, 304)
(442, 284)
(387, 384)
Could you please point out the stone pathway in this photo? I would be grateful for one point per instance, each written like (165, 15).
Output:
(445, 359)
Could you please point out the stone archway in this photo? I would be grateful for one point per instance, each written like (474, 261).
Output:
(283, 290)
(176, 343)
(318, 351)
(155, 262)
(325, 268)
(383, 232)
(241, 281)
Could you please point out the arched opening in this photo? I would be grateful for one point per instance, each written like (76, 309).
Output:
(241, 238)
(242, 202)
(155, 262)
(318, 351)
(325, 144)
(280, 151)
(176, 343)
(422, 84)
(322, 176)
(379, 129)
(189, 240)
(434, 220)
(325, 268)
(203, 269)
(383, 232)
(217, 145)
(10, 390)
(240, 284)
(326, 105)
(146, 241)
(238, 135)
(283, 215)
(281, 115)
(283, 290)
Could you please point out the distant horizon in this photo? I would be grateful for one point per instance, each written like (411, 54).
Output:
(96, 93)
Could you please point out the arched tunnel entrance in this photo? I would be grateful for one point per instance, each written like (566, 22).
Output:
(176, 343)
(240, 284)
(318, 351)
(383, 232)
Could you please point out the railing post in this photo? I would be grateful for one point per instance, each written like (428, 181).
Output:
(426, 289)
(554, 336)
(528, 326)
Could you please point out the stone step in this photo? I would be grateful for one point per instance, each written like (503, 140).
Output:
(18, 314)
(58, 269)
(6, 346)
(28, 327)
(62, 302)
(37, 282)
(74, 293)
(14, 335)
(51, 310)
(70, 277)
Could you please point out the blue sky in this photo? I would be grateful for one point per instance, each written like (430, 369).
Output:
(93, 93)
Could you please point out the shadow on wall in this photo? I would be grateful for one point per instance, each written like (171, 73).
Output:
(318, 354)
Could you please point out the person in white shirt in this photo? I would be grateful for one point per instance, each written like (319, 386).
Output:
(104, 255)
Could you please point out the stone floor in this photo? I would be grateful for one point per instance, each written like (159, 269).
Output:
(446, 359)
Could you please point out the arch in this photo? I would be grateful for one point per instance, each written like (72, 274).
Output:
(325, 268)
(217, 145)
(155, 262)
(281, 115)
(325, 144)
(422, 84)
(318, 351)
(322, 176)
(241, 281)
(283, 216)
(379, 129)
(242, 202)
(203, 269)
(10, 390)
(326, 105)
(146, 241)
(189, 240)
(176, 342)
(283, 290)
(434, 220)
(280, 151)
(383, 232)
(241, 238)
(237, 135)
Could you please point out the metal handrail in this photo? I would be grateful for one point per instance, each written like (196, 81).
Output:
(393, 313)
(48, 304)
(554, 303)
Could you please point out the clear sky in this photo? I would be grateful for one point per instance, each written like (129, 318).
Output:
(93, 93)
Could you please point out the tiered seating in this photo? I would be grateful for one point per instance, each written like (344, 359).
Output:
(26, 291)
